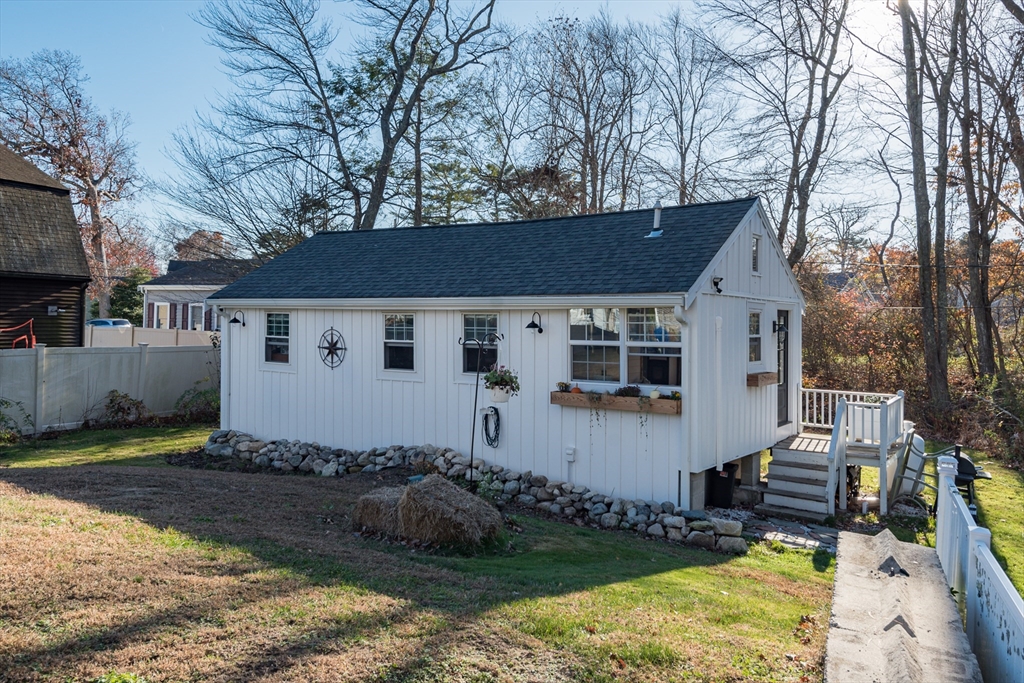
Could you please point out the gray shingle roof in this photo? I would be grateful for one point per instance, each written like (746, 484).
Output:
(578, 255)
(206, 272)
(39, 234)
(14, 168)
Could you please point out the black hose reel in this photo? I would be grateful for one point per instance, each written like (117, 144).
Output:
(492, 426)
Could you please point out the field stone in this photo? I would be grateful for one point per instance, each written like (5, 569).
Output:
(732, 544)
(555, 509)
(512, 487)
(675, 534)
(538, 480)
(318, 466)
(672, 521)
(701, 540)
(726, 527)
(307, 464)
(456, 471)
(330, 469)
(497, 486)
(610, 520)
(525, 499)
(656, 530)
(262, 460)
(545, 506)
(692, 514)
(598, 509)
(701, 525)
(617, 506)
(544, 494)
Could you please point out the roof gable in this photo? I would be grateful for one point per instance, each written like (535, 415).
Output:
(602, 254)
(39, 234)
(215, 272)
(14, 168)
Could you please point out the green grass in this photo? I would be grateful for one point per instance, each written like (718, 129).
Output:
(140, 446)
(1001, 509)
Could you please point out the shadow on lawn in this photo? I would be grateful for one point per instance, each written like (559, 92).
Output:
(301, 525)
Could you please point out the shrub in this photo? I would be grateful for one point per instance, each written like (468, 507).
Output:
(121, 410)
(198, 406)
(13, 418)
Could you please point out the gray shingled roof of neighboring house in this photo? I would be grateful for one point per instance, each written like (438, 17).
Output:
(215, 272)
(602, 254)
(39, 233)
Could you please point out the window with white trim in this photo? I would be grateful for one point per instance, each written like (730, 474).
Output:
(162, 316)
(658, 360)
(399, 340)
(595, 344)
(754, 336)
(277, 338)
(196, 317)
(479, 326)
(755, 255)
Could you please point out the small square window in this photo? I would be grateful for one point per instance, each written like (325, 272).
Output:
(276, 349)
(399, 336)
(754, 337)
(479, 326)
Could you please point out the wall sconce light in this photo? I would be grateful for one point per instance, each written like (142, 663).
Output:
(716, 281)
(534, 323)
(234, 319)
(780, 330)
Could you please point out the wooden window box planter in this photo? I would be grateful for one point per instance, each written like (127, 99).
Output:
(762, 379)
(660, 406)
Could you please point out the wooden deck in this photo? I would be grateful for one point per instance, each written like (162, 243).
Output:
(808, 442)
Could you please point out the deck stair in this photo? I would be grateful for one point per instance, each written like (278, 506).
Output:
(807, 472)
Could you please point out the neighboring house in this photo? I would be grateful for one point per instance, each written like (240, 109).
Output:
(177, 300)
(686, 299)
(43, 268)
(852, 282)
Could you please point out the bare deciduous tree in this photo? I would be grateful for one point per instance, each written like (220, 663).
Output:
(45, 115)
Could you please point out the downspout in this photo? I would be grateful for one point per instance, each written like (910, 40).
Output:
(686, 445)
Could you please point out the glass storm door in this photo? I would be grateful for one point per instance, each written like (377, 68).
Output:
(783, 350)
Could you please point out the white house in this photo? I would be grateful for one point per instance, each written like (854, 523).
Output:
(689, 299)
(177, 299)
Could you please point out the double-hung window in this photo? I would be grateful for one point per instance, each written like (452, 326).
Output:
(754, 336)
(399, 338)
(595, 344)
(278, 329)
(654, 347)
(479, 326)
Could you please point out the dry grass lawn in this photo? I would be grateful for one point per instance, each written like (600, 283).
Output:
(192, 575)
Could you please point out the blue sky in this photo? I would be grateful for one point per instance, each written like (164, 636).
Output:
(150, 60)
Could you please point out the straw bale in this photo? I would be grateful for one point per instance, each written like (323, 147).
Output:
(437, 511)
(378, 510)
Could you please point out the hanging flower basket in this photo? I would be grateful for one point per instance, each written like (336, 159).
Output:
(502, 382)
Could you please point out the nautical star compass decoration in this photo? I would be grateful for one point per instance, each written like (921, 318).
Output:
(332, 348)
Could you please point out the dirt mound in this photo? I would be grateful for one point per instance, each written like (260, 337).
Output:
(437, 511)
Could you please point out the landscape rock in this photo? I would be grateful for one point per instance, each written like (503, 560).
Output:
(330, 469)
(692, 514)
(701, 525)
(512, 487)
(701, 540)
(675, 522)
(732, 544)
(675, 534)
(598, 509)
(526, 500)
(656, 530)
(726, 527)
(610, 520)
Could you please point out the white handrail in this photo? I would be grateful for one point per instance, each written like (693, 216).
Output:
(836, 450)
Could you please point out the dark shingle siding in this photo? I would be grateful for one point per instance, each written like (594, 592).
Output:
(39, 234)
(602, 254)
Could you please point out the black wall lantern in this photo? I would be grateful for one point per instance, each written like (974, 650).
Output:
(534, 323)
(717, 281)
(234, 319)
(781, 330)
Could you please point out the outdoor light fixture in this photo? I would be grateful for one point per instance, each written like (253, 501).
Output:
(534, 323)
(716, 281)
(780, 330)
(234, 319)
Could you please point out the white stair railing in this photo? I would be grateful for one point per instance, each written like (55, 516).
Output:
(837, 458)
(818, 406)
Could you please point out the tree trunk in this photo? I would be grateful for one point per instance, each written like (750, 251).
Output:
(99, 250)
(417, 171)
(938, 386)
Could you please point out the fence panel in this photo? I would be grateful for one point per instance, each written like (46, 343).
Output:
(995, 619)
(133, 336)
(60, 388)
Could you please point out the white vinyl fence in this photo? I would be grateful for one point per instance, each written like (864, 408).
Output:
(60, 388)
(133, 336)
(994, 609)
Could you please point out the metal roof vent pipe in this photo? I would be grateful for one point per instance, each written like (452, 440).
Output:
(656, 231)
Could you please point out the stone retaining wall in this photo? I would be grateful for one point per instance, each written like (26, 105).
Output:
(557, 498)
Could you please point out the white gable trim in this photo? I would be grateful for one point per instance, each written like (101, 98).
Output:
(767, 236)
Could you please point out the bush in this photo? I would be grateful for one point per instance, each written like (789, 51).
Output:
(198, 406)
(13, 418)
(121, 410)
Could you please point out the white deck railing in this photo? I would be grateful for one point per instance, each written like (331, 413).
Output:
(993, 607)
(860, 419)
(818, 406)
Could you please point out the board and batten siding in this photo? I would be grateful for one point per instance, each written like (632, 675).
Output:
(358, 405)
(742, 420)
